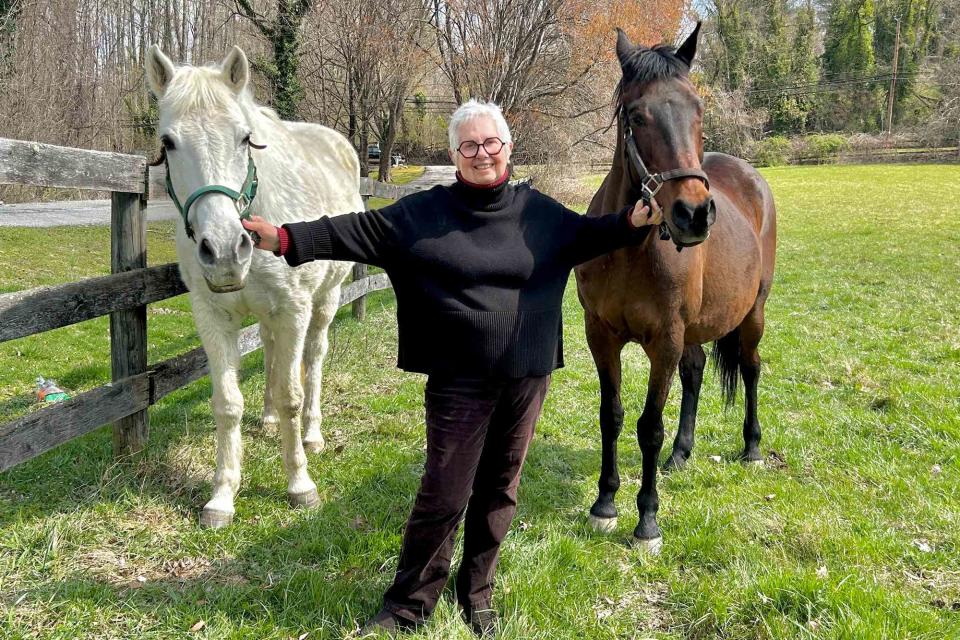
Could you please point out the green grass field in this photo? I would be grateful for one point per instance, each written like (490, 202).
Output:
(851, 529)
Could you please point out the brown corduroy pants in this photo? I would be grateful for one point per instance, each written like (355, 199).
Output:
(478, 433)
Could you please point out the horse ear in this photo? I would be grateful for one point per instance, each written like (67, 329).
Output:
(689, 47)
(159, 71)
(624, 46)
(236, 69)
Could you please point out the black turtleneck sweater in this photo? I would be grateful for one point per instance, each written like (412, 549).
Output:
(478, 273)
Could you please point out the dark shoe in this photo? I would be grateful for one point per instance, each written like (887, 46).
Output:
(482, 620)
(386, 624)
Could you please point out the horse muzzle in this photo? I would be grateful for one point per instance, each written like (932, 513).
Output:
(689, 225)
(225, 264)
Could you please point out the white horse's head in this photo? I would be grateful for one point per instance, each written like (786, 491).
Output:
(205, 135)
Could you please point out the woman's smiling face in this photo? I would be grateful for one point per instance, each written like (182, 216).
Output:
(483, 168)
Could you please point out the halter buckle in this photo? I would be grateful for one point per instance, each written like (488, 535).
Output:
(651, 185)
(242, 204)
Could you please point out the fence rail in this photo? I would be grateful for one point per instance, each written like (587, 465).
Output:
(123, 296)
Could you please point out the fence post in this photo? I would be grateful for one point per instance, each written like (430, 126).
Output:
(128, 329)
(359, 273)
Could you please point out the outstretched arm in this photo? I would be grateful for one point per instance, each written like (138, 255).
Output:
(366, 236)
(593, 236)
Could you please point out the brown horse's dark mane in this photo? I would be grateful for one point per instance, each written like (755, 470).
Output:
(644, 65)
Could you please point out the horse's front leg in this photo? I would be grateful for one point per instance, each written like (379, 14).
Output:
(664, 354)
(289, 332)
(314, 352)
(605, 348)
(219, 333)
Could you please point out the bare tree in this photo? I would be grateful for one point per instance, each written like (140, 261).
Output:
(400, 65)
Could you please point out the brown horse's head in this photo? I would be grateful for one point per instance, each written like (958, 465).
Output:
(660, 109)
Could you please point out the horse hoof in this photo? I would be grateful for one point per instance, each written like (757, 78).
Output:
(215, 519)
(650, 546)
(305, 500)
(314, 446)
(271, 424)
(674, 463)
(602, 525)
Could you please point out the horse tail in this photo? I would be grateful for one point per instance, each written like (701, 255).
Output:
(726, 362)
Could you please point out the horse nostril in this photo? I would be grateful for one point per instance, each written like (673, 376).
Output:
(705, 213)
(244, 247)
(682, 214)
(206, 254)
(711, 211)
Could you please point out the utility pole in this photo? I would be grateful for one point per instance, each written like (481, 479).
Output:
(893, 80)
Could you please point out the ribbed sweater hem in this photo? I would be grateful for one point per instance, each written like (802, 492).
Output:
(508, 344)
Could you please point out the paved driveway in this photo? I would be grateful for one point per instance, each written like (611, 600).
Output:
(97, 212)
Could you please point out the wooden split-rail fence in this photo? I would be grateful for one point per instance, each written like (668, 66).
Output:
(124, 295)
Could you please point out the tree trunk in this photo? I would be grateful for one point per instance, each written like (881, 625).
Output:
(386, 144)
(351, 112)
(364, 141)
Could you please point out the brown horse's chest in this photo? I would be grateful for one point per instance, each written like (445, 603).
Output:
(622, 291)
(641, 292)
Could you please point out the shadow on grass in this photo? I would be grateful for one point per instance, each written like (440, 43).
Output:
(85, 470)
(322, 570)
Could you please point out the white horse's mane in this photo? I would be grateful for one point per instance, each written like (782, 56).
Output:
(202, 88)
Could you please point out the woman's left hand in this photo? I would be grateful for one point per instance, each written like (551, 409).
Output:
(642, 215)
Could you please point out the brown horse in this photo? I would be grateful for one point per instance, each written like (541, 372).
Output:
(709, 284)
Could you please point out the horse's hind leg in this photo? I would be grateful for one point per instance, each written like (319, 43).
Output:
(289, 333)
(314, 353)
(751, 330)
(606, 349)
(691, 377)
(270, 419)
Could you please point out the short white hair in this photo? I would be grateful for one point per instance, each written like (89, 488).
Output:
(471, 110)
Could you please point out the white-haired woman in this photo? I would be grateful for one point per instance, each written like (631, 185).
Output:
(478, 268)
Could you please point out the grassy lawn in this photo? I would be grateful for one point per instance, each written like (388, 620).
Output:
(851, 529)
(400, 175)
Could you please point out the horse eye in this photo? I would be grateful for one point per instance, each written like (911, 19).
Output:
(637, 120)
(167, 143)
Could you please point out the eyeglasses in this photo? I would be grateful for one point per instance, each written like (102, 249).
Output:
(470, 149)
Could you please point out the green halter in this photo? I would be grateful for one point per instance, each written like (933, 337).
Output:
(241, 199)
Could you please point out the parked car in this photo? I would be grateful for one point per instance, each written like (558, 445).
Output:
(373, 151)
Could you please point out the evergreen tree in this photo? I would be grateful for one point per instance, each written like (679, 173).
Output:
(848, 62)
(774, 70)
(737, 31)
(918, 27)
(804, 66)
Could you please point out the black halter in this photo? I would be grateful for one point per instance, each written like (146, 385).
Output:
(651, 183)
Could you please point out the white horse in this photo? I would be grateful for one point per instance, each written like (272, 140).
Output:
(207, 121)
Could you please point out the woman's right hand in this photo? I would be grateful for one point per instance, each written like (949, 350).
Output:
(269, 236)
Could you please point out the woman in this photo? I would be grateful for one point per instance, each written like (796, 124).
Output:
(479, 270)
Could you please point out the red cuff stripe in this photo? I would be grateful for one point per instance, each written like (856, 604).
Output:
(284, 240)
